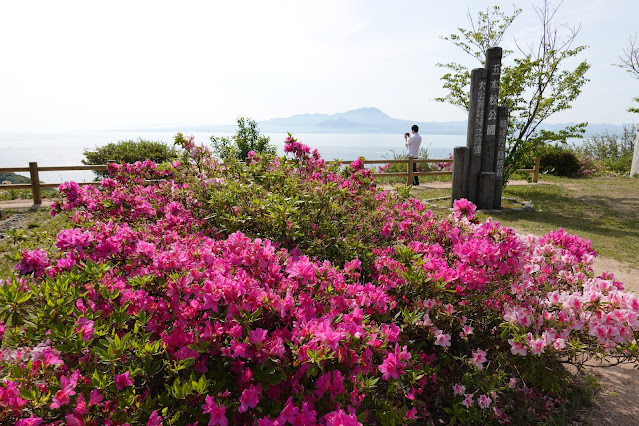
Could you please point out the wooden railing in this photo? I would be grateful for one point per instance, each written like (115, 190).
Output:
(409, 174)
(36, 186)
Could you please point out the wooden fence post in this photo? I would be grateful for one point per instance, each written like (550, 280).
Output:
(536, 170)
(35, 183)
(410, 171)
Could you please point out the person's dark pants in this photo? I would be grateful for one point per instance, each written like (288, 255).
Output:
(415, 178)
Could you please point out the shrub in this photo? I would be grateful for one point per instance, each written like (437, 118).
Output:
(247, 139)
(613, 152)
(129, 151)
(186, 301)
(560, 161)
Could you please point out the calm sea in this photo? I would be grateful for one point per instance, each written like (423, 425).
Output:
(65, 149)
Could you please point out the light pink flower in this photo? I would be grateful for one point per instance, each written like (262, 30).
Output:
(484, 401)
(466, 330)
(517, 348)
(479, 358)
(442, 339)
(459, 389)
(537, 346)
(468, 400)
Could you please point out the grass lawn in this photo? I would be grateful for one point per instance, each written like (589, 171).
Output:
(604, 209)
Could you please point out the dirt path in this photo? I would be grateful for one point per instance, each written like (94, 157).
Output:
(616, 403)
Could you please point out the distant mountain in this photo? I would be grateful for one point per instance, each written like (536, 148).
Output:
(372, 120)
(362, 120)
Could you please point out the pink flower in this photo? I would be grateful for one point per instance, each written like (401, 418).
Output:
(459, 389)
(479, 358)
(63, 396)
(73, 420)
(559, 344)
(85, 327)
(484, 401)
(340, 418)
(391, 367)
(303, 268)
(337, 387)
(466, 330)
(249, 398)
(468, 400)
(50, 358)
(442, 339)
(517, 348)
(33, 261)
(218, 413)
(155, 419)
(122, 380)
(537, 346)
(463, 207)
(387, 228)
(257, 336)
(327, 334)
(95, 397)
(30, 421)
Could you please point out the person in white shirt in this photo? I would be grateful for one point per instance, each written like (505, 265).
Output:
(412, 143)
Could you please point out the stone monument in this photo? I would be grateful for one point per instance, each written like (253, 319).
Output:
(478, 168)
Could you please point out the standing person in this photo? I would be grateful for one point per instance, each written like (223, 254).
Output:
(412, 143)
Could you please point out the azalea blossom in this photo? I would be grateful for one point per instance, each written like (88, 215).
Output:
(459, 389)
(249, 398)
(479, 358)
(122, 380)
(468, 400)
(483, 402)
(442, 339)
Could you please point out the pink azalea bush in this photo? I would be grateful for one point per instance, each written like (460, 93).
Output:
(288, 291)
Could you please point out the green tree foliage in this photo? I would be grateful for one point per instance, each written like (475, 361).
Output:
(630, 62)
(536, 82)
(247, 139)
(14, 178)
(129, 151)
(612, 151)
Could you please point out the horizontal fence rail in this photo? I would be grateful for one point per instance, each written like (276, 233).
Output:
(36, 186)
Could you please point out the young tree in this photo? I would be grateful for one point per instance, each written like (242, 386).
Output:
(247, 139)
(630, 62)
(535, 85)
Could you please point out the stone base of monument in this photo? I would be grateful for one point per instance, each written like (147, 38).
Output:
(507, 205)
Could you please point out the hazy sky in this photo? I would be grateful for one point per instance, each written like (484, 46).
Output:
(71, 65)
